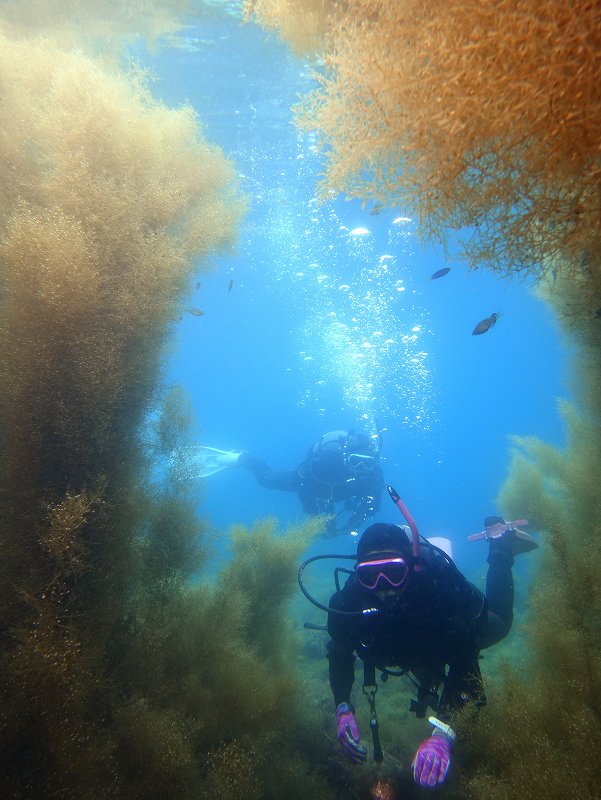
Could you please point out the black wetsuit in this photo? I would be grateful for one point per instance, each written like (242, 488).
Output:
(435, 631)
(350, 499)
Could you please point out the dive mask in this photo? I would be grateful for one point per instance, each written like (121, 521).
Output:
(361, 462)
(384, 573)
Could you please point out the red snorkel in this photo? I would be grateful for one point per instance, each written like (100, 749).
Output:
(410, 521)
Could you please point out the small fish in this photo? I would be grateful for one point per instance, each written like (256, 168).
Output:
(376, 209)
(485, 324)
(230, 285)
(196, 312)
(197, 285)
(598, 313)
(440, 273)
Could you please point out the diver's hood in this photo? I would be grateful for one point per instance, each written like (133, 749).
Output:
(331, 458)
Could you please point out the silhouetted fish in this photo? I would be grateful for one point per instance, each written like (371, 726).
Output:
(440, 273)
(485, 324)
(598, 313)
(230, 285)
(196, 312)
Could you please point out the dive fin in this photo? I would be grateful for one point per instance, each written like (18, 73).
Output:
(498, 529)
(518, 541)
(200, 461)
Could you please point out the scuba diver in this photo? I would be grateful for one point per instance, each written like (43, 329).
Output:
(340, 477)
(406, 606)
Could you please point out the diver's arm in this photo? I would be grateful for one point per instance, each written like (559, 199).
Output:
(308, 494)
(367, 501)
(341, 649)
(376, 489)
(463, 684)
(362, 509)
(462, 605)
(341, 671)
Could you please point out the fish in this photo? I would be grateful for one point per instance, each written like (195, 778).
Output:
(230, 285)
(197, 285)
(485, 324)
(196, 312)
(440, 273)
(598, 313)
(376, 209)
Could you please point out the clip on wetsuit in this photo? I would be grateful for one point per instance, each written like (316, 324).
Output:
(370, 687)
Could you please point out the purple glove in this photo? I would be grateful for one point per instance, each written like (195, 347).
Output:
(432, 759)
(348, 734)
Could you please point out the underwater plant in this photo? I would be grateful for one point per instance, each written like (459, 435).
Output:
(103, 24)
(107, 200)
(302, 25)
(215, 704)
(127, 669)
(463, 114)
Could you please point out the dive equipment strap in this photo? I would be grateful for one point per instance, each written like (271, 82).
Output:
(443, 728)
(370, 687)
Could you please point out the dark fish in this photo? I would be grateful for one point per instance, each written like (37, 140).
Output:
(485, 324)
(440, 273)
(196, 312)
(376, 209)
(230, 285)
(598, 313)
(198, 285)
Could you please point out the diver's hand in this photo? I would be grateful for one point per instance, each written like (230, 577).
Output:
(432, 760)
(348, 734)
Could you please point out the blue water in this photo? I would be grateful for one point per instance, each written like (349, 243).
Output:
(326, 327)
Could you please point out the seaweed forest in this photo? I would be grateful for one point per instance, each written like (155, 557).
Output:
(127, 668)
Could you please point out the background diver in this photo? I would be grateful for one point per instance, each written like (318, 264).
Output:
(340, 477)
(407, 606)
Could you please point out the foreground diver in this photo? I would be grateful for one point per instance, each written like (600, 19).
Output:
(340, 477)
(409, 607)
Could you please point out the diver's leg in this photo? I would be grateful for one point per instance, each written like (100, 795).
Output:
(285, 480)
(499, 593)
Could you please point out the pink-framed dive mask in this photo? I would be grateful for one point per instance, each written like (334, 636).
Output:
(385, 573)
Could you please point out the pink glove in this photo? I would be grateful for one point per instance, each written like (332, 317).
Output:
(432, 760)
(348, 734)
